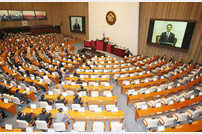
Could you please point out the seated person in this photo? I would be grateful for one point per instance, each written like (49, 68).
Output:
(45, 100)
(2, 114)
(3, 90)
(37, 87)
(82, 89)
(21, 96)
(77, 100)
(28, 117)
(45, 117)
(60, 101)
(79, 81)
(61, 116)
(75, 74)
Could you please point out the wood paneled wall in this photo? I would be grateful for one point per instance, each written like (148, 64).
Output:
(53, 12)
(171, 10)
(57, 13)
(74, 9)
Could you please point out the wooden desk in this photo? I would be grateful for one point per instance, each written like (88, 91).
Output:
(174, 77)
(89, 79)
(10, 107)
(166, 70)
(14, 130)
(131, 78)
(194, 82)
(150, 68)
(84, 116)
(125, 88)
(88, 88)
(29, 94)
(194, 126)
(154, 95)
(166, 108)
(148, 61)
(87, 100)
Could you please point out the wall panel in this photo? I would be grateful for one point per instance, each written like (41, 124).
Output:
(53, 12)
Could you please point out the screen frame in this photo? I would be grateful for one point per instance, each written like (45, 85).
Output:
(15, 10)
(165, 46)
(83, 25)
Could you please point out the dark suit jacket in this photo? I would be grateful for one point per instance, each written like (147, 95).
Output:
(19, 95)
(25, 117)
(60, 101)
(164, 39)
(49, 103)
(44, 117)
(77, 101)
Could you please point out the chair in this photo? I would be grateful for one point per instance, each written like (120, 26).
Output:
(43, 104)
(150, 122)
(163, 86)
(32, 88)
(166, 100)
(115, 126)
(178, 98)
(79, 126)
(153, 89)
(59, 105)
(82, 93)
(24, 123)
(189, 94)
(93, 107)
(42, 125)
(192, 113)
(94, 93)
(142, 90)
(76, 107)
(60, 127)
(199, 88)
(70, 93)
(57, 91)
(98, 126)
(152, 103)
(110, 107)
(8, 97)
(164, 120)
(179, 117)
(23, 86)
(139, 105)
(17, 101)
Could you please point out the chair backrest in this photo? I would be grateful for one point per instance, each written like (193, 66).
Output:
(116, 126)
(93, 107)
(70, 92)
(41, 125)
(43, 104)
(76, 107)
(109, 107)
(59, 105)
(94, 93)
(79, 126)
(6, 96)
(16, 100)
(153, 123)
(58, 127)
(22, 123)
(23, 86)
(56, 91)
(98, 126)
(32, 88)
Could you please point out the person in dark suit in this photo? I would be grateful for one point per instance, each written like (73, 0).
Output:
(60, 101)
(76, 26)
(28, 117)
(2, 114)
(45, 117)
(21, 96)
(45, 100)
(82, 89)
(79, 81)
(167, 37)
(77, 100)
(3, 90)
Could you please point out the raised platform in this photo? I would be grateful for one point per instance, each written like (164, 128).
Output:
(88, 53)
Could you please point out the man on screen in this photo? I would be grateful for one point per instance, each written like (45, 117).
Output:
(76, 26)
(167, 37)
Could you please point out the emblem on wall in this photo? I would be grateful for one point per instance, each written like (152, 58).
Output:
(111, 18)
